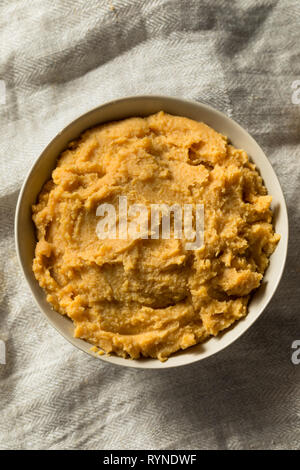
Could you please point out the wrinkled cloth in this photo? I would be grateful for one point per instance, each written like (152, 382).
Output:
(58, 59)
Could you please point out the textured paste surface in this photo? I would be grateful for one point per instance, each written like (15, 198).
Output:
(152, 297)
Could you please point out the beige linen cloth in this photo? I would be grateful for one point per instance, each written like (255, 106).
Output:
(59, 59)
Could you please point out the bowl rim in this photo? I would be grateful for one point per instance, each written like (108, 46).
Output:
(139, 363)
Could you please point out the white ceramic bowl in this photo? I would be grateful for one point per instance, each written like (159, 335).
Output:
(143, 106)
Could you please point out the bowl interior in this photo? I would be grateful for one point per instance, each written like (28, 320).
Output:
(143, 106)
